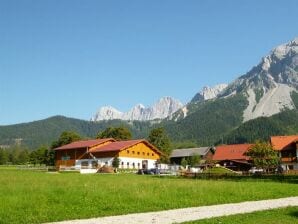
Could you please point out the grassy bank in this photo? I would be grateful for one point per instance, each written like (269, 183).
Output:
(35, 197)
(275, 216)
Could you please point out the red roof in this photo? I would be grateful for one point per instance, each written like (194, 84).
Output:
(84, 144)
(121, 145)
(231, 152)
(281, 142)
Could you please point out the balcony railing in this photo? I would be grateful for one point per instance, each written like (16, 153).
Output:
(289, 159)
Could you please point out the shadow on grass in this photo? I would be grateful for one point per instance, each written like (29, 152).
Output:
(292, 179)
(294, 214)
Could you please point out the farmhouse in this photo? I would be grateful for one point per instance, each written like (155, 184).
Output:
(205, 153)
(233, 156)
(133, 154)
(287, 147)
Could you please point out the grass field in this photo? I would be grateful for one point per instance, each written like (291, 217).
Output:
(36, 197)
(275, 216)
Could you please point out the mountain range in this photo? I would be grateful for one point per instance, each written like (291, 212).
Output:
(256, 105)
(163, 108)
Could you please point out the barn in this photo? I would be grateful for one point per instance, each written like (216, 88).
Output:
(132, 154)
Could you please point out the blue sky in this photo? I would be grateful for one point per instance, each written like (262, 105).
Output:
(70, 57)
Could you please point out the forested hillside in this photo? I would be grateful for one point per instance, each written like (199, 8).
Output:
(211, 120)
(44, 132)
(284, 123)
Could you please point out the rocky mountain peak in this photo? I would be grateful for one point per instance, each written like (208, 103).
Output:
(163, 108)
(268, 86)
(208, 93)
(280, 66)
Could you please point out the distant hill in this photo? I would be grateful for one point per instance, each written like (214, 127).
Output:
(44, 132)
(262, 128)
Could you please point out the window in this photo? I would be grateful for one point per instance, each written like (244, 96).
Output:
(147, 153)
(133, 152)
(122, 164)
(133, 165)
(84, 165)
(94, 164)
(65, 157)
(138, 165)
(138, 153)
(143, 153)
(127, 151)
(127, 164)
(106, 163)
(152, 154)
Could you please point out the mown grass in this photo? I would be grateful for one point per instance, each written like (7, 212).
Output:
(36, 197)
(275, 216)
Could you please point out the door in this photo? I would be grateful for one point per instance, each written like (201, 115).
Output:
(144, 164)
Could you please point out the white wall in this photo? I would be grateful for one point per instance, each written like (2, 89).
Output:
(125, 160)
(136, 161)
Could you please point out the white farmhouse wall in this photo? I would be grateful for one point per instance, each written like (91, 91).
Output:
(136, 161)
(128, 163)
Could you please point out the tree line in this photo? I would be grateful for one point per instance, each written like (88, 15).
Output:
(21, 156)
(46, 155)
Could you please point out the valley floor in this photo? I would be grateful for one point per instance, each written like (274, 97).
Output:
(40, 197)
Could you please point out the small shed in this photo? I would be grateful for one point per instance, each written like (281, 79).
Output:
(205, 153)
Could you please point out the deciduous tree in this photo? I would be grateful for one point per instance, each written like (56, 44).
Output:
(160, 140)
(118, 133)
(3, 156)
(263, 156)
(65, 138)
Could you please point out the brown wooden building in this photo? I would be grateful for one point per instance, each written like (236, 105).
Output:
(287, 147)
(91, 154)
(233, 156)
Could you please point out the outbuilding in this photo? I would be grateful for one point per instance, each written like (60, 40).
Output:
(205, 153)
(233, 156)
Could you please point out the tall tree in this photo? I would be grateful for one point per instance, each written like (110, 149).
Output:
(118, 133)
(23, 157)
(65, 138)
(50, 157)
(3, 156)
(263, 156)
(33, 158)
(160, 140)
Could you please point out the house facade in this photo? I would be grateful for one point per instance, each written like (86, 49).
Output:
(132, 154)
(233, 156)
(287, 147)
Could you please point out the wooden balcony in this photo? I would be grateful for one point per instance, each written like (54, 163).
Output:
(289, 159)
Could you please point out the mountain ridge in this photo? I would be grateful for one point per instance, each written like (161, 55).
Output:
(161, 109)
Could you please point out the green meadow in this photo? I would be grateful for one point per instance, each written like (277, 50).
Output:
(275, 216)
(37, 197)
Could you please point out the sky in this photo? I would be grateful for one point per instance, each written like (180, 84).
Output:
(70, 57)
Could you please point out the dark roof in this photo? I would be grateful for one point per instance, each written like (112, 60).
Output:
(84, 144)
(281, 142)
(122, 145)
(202, 151)
(231, 152)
